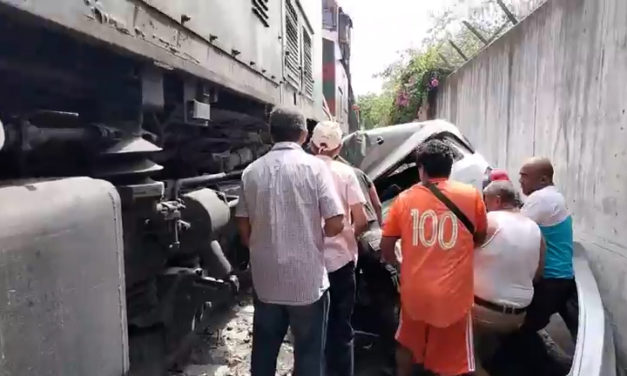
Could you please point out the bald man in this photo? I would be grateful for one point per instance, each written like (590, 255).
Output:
(555, 292)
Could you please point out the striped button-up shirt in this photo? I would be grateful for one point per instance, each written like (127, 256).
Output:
(285, 195)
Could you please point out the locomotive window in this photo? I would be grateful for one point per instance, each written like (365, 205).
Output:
(292, 48)
(260, 9)
(307, 64)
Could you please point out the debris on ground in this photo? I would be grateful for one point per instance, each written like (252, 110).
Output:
(226, 351)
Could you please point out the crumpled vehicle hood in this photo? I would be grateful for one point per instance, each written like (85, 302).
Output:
(378, 151)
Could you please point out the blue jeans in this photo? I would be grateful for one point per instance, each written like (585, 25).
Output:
(339, 351)
(309, 327)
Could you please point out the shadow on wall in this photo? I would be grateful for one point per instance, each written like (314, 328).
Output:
(554, 86)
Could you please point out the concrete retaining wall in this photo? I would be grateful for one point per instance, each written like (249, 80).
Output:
(556, 85)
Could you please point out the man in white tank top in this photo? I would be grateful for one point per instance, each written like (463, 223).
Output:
(506, 265)
(508, 261)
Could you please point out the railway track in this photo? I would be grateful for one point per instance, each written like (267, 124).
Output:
(224, 350)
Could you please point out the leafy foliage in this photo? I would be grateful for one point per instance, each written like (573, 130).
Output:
(375, 109)
(421, 74)
(408, 81)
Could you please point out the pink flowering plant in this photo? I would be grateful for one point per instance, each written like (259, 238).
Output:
(415, 81)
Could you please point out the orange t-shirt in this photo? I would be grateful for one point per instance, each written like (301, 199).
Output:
(437, 250)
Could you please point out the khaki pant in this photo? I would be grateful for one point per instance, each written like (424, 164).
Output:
(490, 327)
(493, 321)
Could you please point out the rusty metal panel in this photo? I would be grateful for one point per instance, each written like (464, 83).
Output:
(138, 28)
(225, 42)
(62, 305)
(233, 26)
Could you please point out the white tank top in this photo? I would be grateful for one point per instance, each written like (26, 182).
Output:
(507, 262)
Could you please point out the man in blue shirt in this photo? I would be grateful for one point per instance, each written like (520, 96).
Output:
(556, 292)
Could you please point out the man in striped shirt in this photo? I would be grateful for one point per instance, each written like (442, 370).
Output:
(286, 195)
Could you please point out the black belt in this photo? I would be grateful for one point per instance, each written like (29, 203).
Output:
(498, 307)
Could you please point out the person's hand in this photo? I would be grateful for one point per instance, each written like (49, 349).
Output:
(394, 275)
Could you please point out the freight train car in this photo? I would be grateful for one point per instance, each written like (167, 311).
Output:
(158, 104)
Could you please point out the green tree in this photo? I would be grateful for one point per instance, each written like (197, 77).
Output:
(375, 109)
(408, 81)
(412, 83)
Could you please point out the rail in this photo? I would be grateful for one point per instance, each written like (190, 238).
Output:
(594, 352)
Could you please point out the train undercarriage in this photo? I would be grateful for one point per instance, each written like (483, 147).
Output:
(172, 145)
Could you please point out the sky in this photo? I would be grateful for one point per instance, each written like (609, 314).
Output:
(380, 30)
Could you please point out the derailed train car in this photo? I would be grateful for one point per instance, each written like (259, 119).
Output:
(161, 103)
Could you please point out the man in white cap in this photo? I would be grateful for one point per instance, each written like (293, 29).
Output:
(340, 251)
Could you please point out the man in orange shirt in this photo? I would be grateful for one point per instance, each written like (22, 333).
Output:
(437, 243)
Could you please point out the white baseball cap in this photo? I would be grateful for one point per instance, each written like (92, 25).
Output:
(327, 135)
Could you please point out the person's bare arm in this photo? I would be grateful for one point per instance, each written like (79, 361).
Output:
(356, 202)
(360, 222)
(244, 229)
(376, 203)
(480, 237)
(333, 226)
(540, 270)
(329, 202)
(392, 232)
(481, 221)
(242, 219)
(388, 243)
(489, 233)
